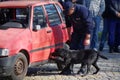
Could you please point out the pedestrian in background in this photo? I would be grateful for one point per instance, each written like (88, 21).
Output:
(96, 7)
(117, 39)
(106, 16)
(81, 21)
(114, 21)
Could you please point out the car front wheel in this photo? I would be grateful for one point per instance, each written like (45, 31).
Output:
(20, 67)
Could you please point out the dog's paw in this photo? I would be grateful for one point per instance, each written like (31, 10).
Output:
(81, 74)
(94, 73)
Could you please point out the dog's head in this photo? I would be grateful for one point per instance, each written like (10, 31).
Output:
(60, 52)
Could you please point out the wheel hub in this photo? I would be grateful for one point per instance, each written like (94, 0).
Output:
(19, 67)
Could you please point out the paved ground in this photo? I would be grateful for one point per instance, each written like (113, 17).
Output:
(110, 70)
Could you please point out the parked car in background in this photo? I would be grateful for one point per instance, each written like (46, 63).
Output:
(29, 32)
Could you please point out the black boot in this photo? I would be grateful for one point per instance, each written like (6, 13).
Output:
(110, 49)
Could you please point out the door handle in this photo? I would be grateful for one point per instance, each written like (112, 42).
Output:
(49, 31)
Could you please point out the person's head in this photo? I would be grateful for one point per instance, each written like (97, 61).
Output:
(69, 8)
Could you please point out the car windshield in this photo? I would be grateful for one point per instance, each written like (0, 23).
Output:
(13, 17)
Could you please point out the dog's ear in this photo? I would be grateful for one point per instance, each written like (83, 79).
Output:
(56, 52)
(65, 52)
(61, 52)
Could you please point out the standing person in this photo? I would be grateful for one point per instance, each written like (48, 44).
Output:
(96, 7)
(106, 16)
(117, 38)
(113, 22)
(80, 19)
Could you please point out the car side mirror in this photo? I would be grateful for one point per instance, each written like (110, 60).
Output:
(36, 27)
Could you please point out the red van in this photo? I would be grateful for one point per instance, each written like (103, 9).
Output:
(29, 32)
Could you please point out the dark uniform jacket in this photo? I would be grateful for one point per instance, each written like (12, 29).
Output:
(81, 20)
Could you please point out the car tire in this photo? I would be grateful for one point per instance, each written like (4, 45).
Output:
(20, 67)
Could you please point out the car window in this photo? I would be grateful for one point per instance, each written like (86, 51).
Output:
(38, 17)
(61, 12)
(53, 15)
(14, 17)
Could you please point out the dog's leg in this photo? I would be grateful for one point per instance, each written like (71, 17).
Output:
(82, 69)
(97, 68)
(71, 68)
(66, 70)
(87, 70)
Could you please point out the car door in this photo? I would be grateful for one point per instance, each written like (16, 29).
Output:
(55, 23)
(63, 25)
(40, 37)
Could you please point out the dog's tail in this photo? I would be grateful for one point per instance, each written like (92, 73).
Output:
(103, 57)
(100, 55)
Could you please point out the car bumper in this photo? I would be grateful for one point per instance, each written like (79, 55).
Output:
(6, 65)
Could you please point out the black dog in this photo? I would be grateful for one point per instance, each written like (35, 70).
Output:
(85, 57)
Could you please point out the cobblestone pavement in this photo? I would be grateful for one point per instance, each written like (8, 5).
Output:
(110, 70)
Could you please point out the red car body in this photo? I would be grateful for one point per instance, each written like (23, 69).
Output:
(36, 45)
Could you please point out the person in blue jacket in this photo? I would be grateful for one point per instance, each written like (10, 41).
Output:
(81, 21)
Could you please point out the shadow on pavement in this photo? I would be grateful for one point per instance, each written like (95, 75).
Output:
(42, 71)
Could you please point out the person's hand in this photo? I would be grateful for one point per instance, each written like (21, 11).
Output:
(118, 14)
(87, 40)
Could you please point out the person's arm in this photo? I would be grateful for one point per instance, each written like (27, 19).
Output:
(112, 8)
(114, 11)
(102, 7)
(69, 33)
(68, 25)
(88, 23)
